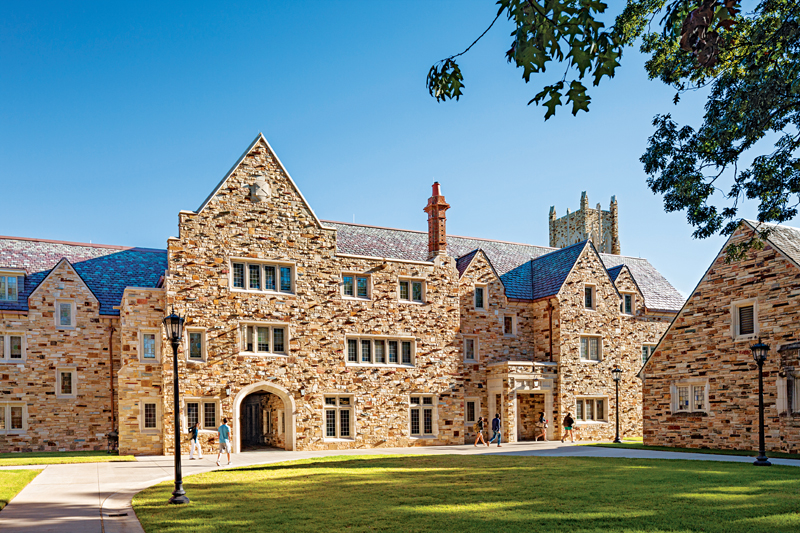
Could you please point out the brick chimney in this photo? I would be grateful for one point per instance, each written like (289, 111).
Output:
(437, 232)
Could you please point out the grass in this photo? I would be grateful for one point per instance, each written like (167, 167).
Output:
(637, 445)
(13, 481)
(55, 458)
(481, 493)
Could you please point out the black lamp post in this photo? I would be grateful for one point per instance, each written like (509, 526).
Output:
(174, 326)
(760, 351)
(617, 373)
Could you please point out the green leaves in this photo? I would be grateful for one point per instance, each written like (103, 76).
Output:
(445, 80)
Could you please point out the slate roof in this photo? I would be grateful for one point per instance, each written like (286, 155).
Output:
(786, 238)
(106, 270)
(614, 272)
(524, 275)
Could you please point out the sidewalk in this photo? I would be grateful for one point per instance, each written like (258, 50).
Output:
(96, 497)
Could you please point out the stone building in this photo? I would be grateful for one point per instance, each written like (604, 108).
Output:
(310, 334)
(602, 227)
(701, 384)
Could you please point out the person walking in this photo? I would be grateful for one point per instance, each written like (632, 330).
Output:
(569, 422)
(479, 428)
(194, 431)
(496, 429)
(224, 440)
(543, 425)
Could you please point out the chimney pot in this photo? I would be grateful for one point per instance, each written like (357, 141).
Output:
(436, 190)
(437, 220)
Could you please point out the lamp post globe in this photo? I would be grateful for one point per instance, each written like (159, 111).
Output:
(760, 351)
(617, 375)
(173, 324)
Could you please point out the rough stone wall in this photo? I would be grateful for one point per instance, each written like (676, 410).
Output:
(789, 413)
(530, 405)
(282, 227)
(141, 380)
(54, 423)
(273, 405)
(700, 345)
(586, 223)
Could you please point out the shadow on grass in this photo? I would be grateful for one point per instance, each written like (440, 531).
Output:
(481, 493)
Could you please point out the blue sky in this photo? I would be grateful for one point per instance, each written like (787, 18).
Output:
(115, 117)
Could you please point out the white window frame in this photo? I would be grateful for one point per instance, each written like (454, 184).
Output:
(650, 347)
(157, 334)
(337, 408)
(67, 370)
(475, 348)
(485, 289)
(593, 399)
(477, 401)
(692, 385)
(633, 304)
(201, 412)
(593, 288)
(203, 348)
(587, 359)
(271, 326)
(410, 300)
(5, 408)
(355, 276)
(421, 407)
(375, 339)
(735, 325)
(261, 263)
(57, 313)
(5, 350)
(513, 318)
(142, 417)
(6, 274)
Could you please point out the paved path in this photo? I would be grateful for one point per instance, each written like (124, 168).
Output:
(96, 497)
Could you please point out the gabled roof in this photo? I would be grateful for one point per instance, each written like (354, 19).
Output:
(105, 269)
(463, 262)
(614, 272)
(552, 270)
(512, 261)
(785, 238)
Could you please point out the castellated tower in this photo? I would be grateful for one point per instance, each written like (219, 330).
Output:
(587, 223)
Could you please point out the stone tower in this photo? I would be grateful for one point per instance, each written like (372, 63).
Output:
(602, 227)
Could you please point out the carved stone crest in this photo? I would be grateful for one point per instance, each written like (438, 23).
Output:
(259, 190)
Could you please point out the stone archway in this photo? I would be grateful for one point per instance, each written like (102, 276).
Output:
(280, 392)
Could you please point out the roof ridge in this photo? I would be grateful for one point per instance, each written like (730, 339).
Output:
(85, 244)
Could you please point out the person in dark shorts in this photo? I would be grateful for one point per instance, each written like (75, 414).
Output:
(543, 426)
(479, 426)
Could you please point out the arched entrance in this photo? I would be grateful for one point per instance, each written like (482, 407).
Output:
(264, 415)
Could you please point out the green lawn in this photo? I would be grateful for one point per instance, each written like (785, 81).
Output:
(634, 445)
(490, 493)
(54, 458)
(13, 481)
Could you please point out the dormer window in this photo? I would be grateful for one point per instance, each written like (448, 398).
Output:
(10, 285)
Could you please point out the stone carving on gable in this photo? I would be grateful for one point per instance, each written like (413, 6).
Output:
(259, 190)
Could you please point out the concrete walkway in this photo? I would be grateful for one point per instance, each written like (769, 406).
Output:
(96, 497)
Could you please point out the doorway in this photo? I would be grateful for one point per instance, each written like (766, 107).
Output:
(262, 422)
(529, 407)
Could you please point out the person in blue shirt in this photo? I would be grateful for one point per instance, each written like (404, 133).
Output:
(496, 428)
(194, 431)
(224, 440)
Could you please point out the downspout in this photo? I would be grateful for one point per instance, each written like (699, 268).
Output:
(111, 372)
(550, 318)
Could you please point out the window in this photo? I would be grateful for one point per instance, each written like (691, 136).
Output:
(149, 345)
(590, 348)
(745, 319)
(262, 277)
(65, 314)
(480, 296)
(379, 351)
(355, 286)
(10, 286)
(66, 386)
(264, 339)
(412, 290)
(13, 417)
(690, 397)
(472, 410)
(589, 296)
(202, 411)
(422, 416)
(591, 409)
(197, 344)
(339, 417)
(509, 325)
(149, 415)
(626, 306)
(647, 352)
(470, 349)
(12, 348)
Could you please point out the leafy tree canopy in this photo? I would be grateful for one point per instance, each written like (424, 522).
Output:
(749, 61)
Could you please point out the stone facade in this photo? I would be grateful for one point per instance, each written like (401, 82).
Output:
(707, 350)
(602, 227)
